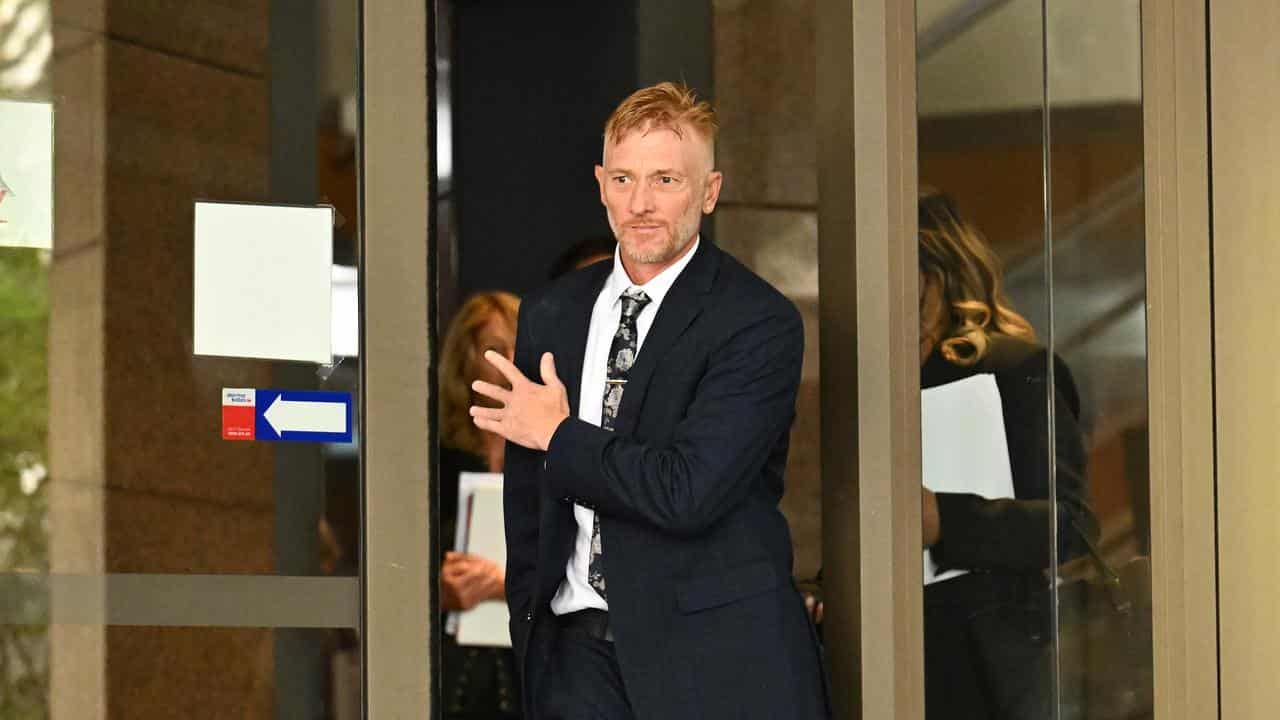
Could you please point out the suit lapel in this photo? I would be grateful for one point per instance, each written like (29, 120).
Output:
(679, 309)
(572, 340)
(568, 344)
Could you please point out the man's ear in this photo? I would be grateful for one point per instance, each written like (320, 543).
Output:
(712, 193)
(600, 182)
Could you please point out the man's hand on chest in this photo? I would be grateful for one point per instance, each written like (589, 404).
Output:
(530, 412)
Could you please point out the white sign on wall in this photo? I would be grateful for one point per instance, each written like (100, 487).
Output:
(263, 281)
(26, 174)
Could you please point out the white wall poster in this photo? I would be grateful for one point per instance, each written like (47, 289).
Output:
(26, 174)
(264, 281)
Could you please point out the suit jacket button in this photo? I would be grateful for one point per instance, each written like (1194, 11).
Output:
(528, 617)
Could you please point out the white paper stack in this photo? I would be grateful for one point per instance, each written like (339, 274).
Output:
(481, 532)
(963, 447)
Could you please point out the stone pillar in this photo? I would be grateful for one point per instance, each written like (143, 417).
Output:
(765, 79)
(158, 104)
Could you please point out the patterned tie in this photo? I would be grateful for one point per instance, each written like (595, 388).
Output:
(622, 355)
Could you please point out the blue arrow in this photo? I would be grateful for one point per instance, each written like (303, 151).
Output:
(303, 416)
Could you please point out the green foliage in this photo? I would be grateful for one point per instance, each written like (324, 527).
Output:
(24, 422)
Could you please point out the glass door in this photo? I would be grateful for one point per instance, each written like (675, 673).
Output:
(187, 480)
(1032, 260)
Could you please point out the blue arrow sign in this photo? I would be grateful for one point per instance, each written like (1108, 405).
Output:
(302, 416)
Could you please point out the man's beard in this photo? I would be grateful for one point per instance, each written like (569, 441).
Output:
(661, 254)
(677, 240)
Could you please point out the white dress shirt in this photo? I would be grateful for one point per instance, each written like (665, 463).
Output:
(575, 593)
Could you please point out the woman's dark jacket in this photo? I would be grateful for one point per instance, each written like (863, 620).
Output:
(1014, 535)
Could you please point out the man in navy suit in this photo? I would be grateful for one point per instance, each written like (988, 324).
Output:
(648, 565)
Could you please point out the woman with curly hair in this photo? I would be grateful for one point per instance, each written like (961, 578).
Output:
(987, 631)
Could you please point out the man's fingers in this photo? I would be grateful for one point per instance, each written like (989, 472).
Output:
(549, 376)
(487, 425)
(504, 366)
(488, 420)
(491, 391)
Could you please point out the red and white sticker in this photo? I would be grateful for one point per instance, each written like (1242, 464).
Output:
(238, 413)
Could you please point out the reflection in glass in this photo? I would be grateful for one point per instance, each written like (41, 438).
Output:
(988, 633)
(1098, 297)
(26, 46)
(1056, 189)
(990, 506)
(24, 463)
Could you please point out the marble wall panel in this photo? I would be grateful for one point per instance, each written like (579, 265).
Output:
(174, 119)
(171, 672)
(206, 139)
(802, 502)
(153, 533)
(160, 102)
(80, 15)
(765, 80)
(230, 34)
(782, 247)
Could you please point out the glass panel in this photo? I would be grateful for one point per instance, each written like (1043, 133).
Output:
(196, 672)
(114, 477)
(24, 469)
(988, 443)
(1099, 328)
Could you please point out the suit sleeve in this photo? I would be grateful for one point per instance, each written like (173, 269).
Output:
(1015, 535)
(520, 496)
(742, 405)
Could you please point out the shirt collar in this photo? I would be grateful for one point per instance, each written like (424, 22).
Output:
(656, 288)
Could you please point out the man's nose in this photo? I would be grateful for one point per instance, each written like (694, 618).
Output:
(641, 201)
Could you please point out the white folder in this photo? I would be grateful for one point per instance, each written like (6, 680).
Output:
(963, 447)
(481, 532)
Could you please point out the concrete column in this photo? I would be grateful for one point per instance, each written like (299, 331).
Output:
(765, 68)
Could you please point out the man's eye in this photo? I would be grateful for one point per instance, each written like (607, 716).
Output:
(668, 180)
(621, 179)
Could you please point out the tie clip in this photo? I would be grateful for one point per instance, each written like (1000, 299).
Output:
(623, 381)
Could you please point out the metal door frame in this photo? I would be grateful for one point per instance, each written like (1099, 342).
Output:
(867, 140)
(396, 594)
(868, 163)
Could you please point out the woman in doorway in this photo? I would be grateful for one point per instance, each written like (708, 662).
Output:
(478, 682)
(987, 631)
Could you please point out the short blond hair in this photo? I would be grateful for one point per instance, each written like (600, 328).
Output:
(667, 105)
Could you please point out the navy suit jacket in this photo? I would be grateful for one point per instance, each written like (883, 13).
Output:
(706, 619)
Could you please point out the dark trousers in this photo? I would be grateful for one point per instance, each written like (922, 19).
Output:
(583, 681)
